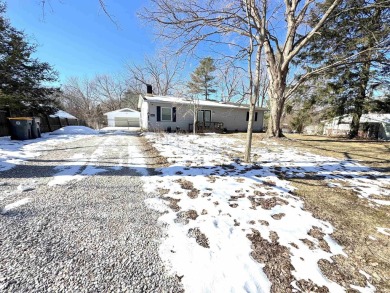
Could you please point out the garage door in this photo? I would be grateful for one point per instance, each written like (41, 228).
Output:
(126, 122)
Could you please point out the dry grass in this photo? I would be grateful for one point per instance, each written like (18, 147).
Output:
(200, 237)
(152, 155)
(354, 218)
(354, 221)
(276, 258)
(371, 153)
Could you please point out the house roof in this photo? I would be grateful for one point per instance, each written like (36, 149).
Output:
(124, 110)
(63, 114)
(365, 118)
(188, 101)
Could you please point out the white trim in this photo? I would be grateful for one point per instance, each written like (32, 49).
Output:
(204, 103)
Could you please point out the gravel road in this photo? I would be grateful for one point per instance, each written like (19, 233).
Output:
(91, 235)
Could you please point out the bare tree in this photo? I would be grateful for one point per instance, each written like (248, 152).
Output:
(110, 91)
(162, 72)
(80, 100)
(264, 84)
(88, 99)
(233, 83)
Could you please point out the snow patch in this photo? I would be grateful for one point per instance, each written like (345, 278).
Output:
(25, 188)
(15, 204)
(17, 152)
(369, 289)
(385, 231)
(63, 114)
(74, 130)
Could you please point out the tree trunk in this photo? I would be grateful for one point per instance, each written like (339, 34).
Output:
(359, 102)
(362, 95)
(248, 146)
(254, 96)
(274, 127)
(195, 118)
(276, 94)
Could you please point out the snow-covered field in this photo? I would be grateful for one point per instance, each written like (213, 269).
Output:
(212, 202)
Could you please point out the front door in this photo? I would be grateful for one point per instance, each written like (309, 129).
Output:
(204, 117)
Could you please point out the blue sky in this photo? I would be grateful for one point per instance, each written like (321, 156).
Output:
(78, 39)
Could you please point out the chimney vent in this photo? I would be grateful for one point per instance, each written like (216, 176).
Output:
(149, 89)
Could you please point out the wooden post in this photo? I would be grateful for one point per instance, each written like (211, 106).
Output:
(59, 121)
(67, 121)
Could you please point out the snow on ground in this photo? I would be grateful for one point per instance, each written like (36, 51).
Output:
(119, 129)
(81, 166)
(74, 130)
(384, 231)
(365, 181)
(215, 202)
(16, 152)
(15, 204)
(68, 171)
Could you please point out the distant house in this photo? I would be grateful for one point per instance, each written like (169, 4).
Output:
(313, 129)
(125, 117)
(173, 113)
(371, 126)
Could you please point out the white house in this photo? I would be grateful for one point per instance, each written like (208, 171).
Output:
(371, 125)
(125, 117)
(173, 113)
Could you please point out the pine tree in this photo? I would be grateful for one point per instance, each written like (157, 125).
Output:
(22, 76)
(202, 80)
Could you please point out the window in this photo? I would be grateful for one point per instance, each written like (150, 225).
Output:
(204, 116)
(166, 114)
(247, 116)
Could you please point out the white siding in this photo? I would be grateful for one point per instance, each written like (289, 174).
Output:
(233, 118)
(183, 117)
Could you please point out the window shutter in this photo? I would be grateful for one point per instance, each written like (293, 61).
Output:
(255, 116)
(158, 113)
(174, 114)
(247, 116)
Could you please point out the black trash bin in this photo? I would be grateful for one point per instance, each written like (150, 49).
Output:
(21, 128)
(35, 127)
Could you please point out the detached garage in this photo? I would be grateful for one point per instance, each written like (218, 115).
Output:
(125, 117)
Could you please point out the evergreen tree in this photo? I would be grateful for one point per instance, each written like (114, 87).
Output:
(22, 77)
(380, 105)
(355, 34)
(202, 80)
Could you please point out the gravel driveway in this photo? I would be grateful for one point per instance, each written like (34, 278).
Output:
(90, 235)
